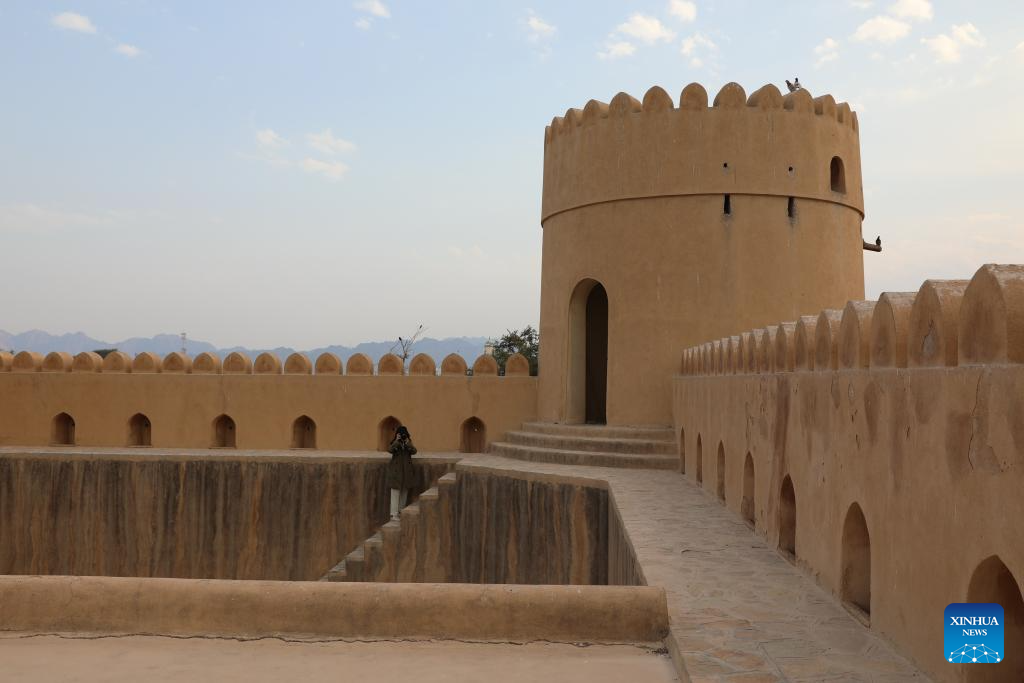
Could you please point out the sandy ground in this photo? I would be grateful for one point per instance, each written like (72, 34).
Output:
(142, 658)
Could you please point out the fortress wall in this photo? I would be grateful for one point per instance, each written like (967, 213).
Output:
(912, 408)
(513, 528)
(182, 407)
(475, 526)
(275, 517)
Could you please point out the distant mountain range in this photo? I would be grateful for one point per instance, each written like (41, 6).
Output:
(162, 344)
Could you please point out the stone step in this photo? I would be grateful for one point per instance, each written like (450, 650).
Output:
(592, 444)
(587, 458)
(646, 433)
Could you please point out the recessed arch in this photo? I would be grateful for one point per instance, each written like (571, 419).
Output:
(386, 432)
(747, 502)
(304, 432)
(62, 430)
(682, 450)
(587, 376)
(720, 473)
(992, 581)
(787, 518)
(224, 432)
(473, 436)
(140, 430)
(699, 469)
(855, 578)
(837, 175)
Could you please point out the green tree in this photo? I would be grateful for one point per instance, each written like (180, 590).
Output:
(103, 353)
(525, 341)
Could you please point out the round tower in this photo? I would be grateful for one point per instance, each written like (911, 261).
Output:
(667, 226)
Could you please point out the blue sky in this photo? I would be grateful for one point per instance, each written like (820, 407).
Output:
(267, 174)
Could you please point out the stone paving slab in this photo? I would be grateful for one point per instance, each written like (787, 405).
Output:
(740, 612)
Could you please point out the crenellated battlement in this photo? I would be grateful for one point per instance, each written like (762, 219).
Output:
(694, 98)
(945, 323)
(762, 144)
(266, 363)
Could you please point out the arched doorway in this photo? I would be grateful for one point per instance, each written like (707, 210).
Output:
(855, 579)
(473, 436)
(140, 431)
(304, 432)
(700, 462)
(224, 432)
(992, 581)
(720, 474)
(747, 502)
(386, 432)
(787, 519)
(62, 432)
(588, 354)
(682, 450)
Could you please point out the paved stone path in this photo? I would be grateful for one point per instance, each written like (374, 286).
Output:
(740, 612)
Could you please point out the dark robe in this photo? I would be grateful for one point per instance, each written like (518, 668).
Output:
(400, 473)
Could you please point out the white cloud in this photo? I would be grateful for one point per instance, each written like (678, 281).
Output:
(948, 49)
(538, 29)
(269, 139)
(684, 10)
(968, 34)
(862, 4)
(882, 29)
(73, 22)
(332, 170)
(697, 47)
(373, 7)
(326, 142)
(920, 10)
(616, 49)
(1019, 52)
(826, 52)
(127, 50)
(646, 29)
(363, 23)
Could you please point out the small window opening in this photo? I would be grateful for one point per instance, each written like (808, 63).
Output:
(727, 205)
(63, 430)
(838, 175)
(725, 165)
(140, 431)
(224, 432)
(791, 207)
(304, 432)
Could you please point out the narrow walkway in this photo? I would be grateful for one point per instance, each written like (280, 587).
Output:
(739, 611)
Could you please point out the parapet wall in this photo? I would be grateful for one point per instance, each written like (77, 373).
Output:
(764, 144)
(882, 447)
(208, 402)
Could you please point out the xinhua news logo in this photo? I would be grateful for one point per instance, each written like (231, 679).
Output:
(974, 633)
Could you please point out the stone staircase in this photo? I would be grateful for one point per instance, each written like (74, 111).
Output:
(592, 445)
(411, 549)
